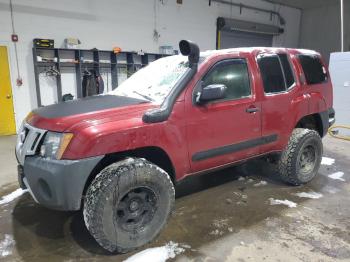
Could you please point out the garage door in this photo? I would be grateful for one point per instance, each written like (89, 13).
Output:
(233, 33)
(231, 39)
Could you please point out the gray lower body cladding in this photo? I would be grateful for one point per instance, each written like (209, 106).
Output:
(328, 119)
(57, 184)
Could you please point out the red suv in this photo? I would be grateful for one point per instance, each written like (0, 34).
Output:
(118, 156)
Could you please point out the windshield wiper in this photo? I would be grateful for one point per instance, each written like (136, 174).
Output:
(144, 96)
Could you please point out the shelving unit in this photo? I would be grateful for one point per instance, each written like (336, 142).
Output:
(78, 60)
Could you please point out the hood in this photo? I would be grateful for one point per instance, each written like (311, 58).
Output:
(87, 111)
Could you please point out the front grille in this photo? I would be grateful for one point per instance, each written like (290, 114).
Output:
(28, 140)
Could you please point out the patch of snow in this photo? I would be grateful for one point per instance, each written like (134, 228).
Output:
(155, 81)
(228, 201)
(337, 176)
(261, 183)
(331, 190)
(241, 178)
(250, 180)
(307, 209)
(327, 161)
(157, 254)
(282, 202)
(6, 245)
(216, 232)
(243, 196)
(12, 196)
(185, 246)
(312, 195)
(220, 223)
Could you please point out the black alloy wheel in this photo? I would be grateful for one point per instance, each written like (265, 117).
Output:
(136, 209)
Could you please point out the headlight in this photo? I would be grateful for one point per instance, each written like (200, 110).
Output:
(55, 144)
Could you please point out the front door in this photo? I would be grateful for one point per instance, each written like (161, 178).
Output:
(7, 118)
(229, 129)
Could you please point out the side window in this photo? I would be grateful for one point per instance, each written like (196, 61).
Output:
(287, 69)
(271, 73)
(314, 71)
(234, 75)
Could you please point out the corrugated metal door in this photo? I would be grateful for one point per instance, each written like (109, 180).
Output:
(232, 39)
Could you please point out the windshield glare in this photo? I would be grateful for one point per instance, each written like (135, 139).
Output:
(155, 81)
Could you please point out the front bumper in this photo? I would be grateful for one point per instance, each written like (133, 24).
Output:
(56, 184)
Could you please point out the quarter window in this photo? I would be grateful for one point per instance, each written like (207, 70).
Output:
(234, 75)
(314, 71)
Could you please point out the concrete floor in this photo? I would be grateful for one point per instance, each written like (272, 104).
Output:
(218, 217)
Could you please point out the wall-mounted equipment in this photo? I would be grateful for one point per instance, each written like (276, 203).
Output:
(14, 38)
(238, 33)
(117, 67)
(72, 43)
(46, 43)
(228, 24)
(250, 7)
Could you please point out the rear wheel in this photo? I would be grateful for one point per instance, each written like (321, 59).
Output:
(127, 204)
(300, 161)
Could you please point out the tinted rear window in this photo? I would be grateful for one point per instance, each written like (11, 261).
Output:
(271, 73)
(314, 71)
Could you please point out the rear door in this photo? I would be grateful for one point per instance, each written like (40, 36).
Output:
(283, 101)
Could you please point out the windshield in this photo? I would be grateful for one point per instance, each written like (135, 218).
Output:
(155, 81)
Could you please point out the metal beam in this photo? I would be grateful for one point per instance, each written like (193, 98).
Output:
(342, 24)
(240, 5)
(283, 4)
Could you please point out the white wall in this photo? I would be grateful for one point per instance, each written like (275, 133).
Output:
(339, 68)
(125, 23)
(320, 29)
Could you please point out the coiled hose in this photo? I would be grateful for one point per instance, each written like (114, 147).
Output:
(335, 133)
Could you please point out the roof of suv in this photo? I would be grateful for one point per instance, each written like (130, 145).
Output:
(256, 50)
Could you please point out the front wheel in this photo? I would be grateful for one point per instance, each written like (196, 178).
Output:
(127, 204)
(300, 161)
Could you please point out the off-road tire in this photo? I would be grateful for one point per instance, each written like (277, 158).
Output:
(288, 164)
(108, 190)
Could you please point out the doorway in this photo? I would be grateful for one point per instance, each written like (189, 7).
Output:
(7, 117)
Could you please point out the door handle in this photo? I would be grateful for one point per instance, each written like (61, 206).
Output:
(8, 96)
(252, 110)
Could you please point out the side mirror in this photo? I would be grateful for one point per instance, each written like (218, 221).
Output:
(211, 92)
